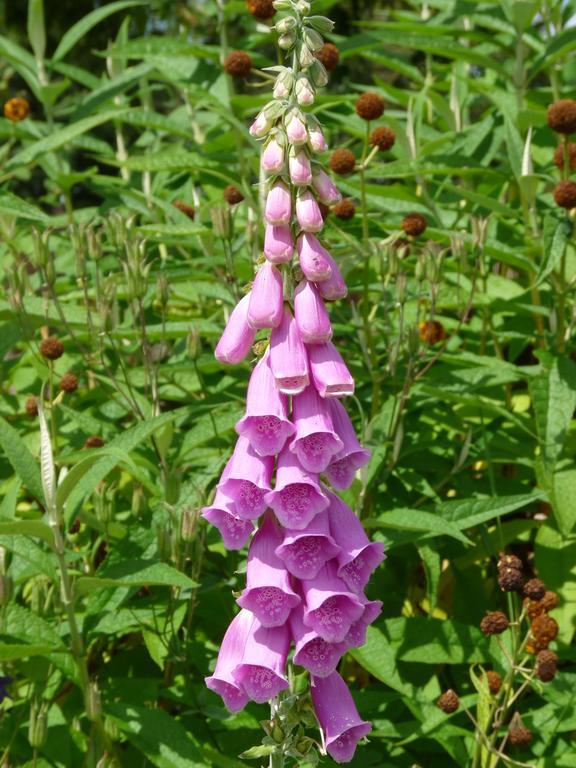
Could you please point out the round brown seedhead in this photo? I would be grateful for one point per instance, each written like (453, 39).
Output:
(510, 579)
(546, 666)
(383, 138)
(533, 608)
(16, 109)
(94, 441)
(414, 224)
(535, 589)
(328, 55)
(342, 161)
(494, 681)
(550, 600)
(448, 702)
(544, 629)
(69, 382)
(51, 348)
(570, 153)
(187, 210)
(238, 64)
(519, 735)
(565, 194)
(31, 406)
(261, 9)
(562, 116)
(494, 623)
(370, 106)
(509, 561)
(345, 209)
(431, 332)
(232, 195)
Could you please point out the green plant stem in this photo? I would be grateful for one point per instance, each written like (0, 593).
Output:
(277, 759)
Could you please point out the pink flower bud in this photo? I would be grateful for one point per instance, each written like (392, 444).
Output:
(238, 336)
(315, 261)
(334, 287)
(278, 244)
(273, 157)
(308, 212)
(317, 140)
(278, 204)
(329, 372)
(300, 170)
(288, 358)
(296, 130)
(311, 315)
(260, 126)
(325, 188)
(266, 306)
(304, 92)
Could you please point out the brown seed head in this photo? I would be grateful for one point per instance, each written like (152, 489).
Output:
(187, 210)
(261, 9)
(533, 608)
(69, 382)
(510, 579)
(31, 406)
(51, 348)
(232, 195)
(535, 589)
(546, 666)
(345, 209)
(565, 194)
(328, 55)
(383, 138)
(414, 224)
(16, 109)
(431, 332)
(370, 106)
(94, 442)
(238, 64)
(510, 561)
(494, 681)
(519, 736)
(559, 156)
(448, 702)
(544, 629)
(494, 623)
(550, 601)
(562, 116)
(342, 161)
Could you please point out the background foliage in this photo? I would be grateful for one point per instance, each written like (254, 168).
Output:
(472, 435)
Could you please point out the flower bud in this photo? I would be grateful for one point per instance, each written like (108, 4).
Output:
(306, 57)
(302, 6)
(313, 40)
(283, 85)
(286, 41)
(296, 129)
(273, 157)
(304, 92)
(318, 73)
(321, 23)
(300, 170)
(316, 139)
(261, 125)
(285, 25)
(37, 729)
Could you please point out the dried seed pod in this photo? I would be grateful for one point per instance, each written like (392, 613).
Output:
(533, 608)
(185, 208)
(431, 332)
(414, 224)
(546, 666)
(370, 106)
(69, 382)
(383, 138)
(519, 736)
(342, 161)
(16, 109)
(328, 55)
(510, 579)
(494, 681)
(94, 441)
(535, 589)
(261, 9)
(51, 348)
(570, 152)
(345, 209)
(238, 64)
(562, 116)
(232, 195)
(494, 623)
(448, 702)
(544, 629)
(550, 601)
(565, 195)
(510, 561)
(31, 406)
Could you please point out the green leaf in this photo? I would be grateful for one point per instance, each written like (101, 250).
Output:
(18, 651)
(404, 519)
(134, 573)
(22, 461)
(554, 248)
(467, 513)
(563, 498)
(432, 569)
(255, 753)
(82, 27)
(22, 209)
(378, 658)
(36, 28)
(35, 528)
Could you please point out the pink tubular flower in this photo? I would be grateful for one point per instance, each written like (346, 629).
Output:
(308, 212)
(338, 717)
(238, 336)
(266, 424)
(273, 157)
(330, 608)
(278, 204)
(246, 480)
(278, 243)
(305, 552)
(261, 674)
(352, 457)
(329, 372)
(316, 139)
(311, 316)
(358, 556)
(356, 636)
(312, 652)
(235, 532)
(268, 593)
(314, 259)
(222, 681)
(297, 496)
(315, 442)
(300, 170)
(296, 130)
(266, 306)
(325, 188)
(335, 286)
(288, 358)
